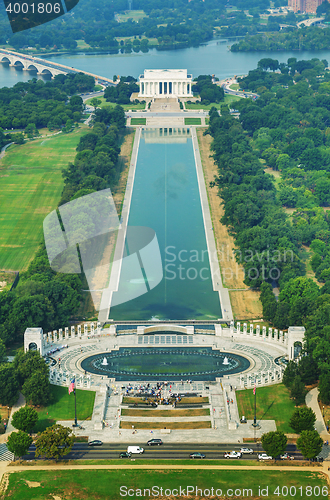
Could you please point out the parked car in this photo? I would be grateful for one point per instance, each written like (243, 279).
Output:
(124, 454)
(197, 455)
(232, 454)
(249, 451)
(264, 456)
(154, 442)
(286, 456)
(96, 442)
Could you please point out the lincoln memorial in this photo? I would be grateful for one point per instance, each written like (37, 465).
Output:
(165, 83)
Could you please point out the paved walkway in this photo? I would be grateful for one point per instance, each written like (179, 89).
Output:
(19, 403)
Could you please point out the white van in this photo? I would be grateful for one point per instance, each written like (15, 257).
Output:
(134, 449)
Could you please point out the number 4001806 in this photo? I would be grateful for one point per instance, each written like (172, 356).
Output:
(40, 8)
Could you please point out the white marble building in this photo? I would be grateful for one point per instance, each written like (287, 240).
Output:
(155, 83)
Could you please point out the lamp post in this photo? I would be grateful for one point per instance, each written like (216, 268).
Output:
(323, 411)
(8, 413)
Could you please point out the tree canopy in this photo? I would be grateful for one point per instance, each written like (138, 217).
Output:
(274, 443)
(55, 442)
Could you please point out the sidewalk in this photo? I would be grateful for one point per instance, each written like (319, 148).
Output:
(311, 402)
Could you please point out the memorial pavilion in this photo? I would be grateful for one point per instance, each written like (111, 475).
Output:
(160, 83)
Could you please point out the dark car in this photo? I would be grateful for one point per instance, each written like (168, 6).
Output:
(96, 442)
(154, 442)
(197, 455)
(124, 454)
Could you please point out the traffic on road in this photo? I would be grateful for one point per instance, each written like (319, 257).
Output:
(157, 449)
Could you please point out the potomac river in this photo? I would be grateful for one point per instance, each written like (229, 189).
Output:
(212, 58)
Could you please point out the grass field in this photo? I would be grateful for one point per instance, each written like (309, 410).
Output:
(135, 15)
(192, 121)
(197, 412)
(273, 403)
(107, 484)
(228, 100)
(138, 121)
(62, 407)
(126, 107)
(31, 185)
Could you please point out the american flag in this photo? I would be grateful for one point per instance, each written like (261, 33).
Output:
(71, 386)
(254, 389)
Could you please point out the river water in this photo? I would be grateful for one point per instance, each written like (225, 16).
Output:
(212, 58)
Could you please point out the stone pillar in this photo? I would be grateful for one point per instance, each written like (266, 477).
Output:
(92, 329)
(275, 334)
(98, 327)
(79, 331)
(85, 329)
(50, 337)
(281, 336)
(72, 331)
(55, 335)
(270, 333)
(258, 331)
(245, 329)
(231, 328)
(238, 327)
(251, 329)
(66, 330)
(263, 332)
(60, 333)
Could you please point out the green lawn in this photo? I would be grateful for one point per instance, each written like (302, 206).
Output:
(126, 107)
(62, 407)
(138, 121)
(112, 484)
(31, 185)
(228, 100)
(197, 412)
(273, 403)
(135, 15)
(192, 121)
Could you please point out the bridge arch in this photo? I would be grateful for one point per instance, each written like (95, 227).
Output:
(5, 59)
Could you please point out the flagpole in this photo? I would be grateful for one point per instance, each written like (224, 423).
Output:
(75, 408)
(255, 404)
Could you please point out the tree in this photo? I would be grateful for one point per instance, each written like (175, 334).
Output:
(298, 390)
(25, 419)
(324, 387)
(55, 442)
(26, 364)
(36, 389)
(9, 386)
(303, 419)
(274, 443)
(290, 372)
(3, 355)
(310, 444)
(95, 102)
(19, 443)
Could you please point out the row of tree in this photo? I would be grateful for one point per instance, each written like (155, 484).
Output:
(288, 127)
(38, 104)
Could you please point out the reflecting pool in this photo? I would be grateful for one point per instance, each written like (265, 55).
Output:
(166, 199)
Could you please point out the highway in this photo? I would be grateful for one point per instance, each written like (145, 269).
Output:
(81, 451)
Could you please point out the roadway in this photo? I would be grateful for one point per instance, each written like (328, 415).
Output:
(170, 451)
